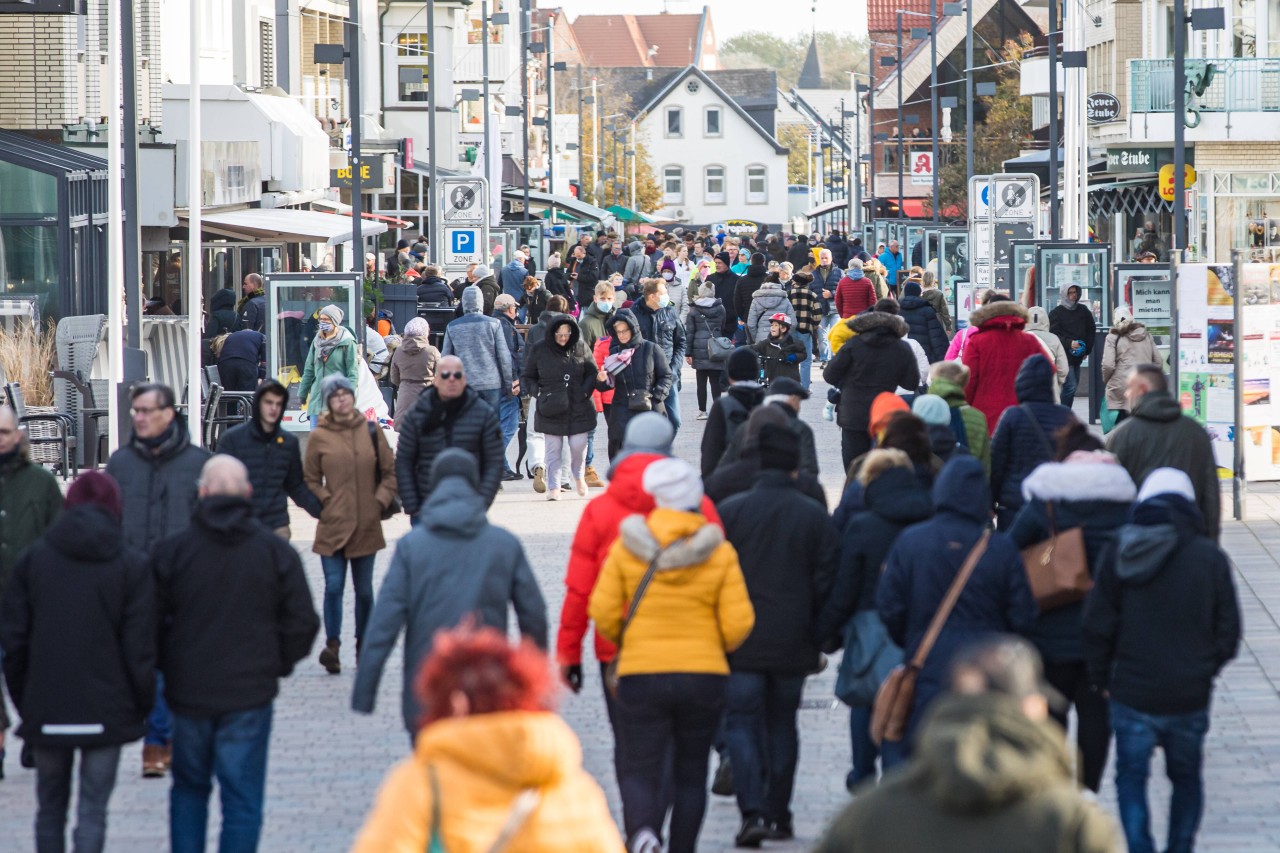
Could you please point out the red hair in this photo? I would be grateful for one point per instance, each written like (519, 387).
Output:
(489, 671)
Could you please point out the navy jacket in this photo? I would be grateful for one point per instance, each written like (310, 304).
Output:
(1017, 446)
(924, 327)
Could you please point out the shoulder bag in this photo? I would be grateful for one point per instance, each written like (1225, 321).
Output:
(719, 348)
(524, 805)
(611, 671)
(893, 703)
(394, 507)
(1058, 568)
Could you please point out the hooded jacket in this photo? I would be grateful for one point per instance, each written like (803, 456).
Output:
(597, 530)
(1162, 618)
(235, 611)
(746, 287)
(274, 462)
(413, 369)
(982, 777)
(971, 428)
(726, 285)
(482, 763)
(728, 414)
(704, 321)
(924, 327)
(342, 360)
(938, 301)
(562, 380)
(472, 425)
(636, 264)
(433, 290)
(222, 313)
(78, 628)
(557, 284)
(696, 608)
(1018, 446)
(513, 276)
(854, 295)
(29, 502)
(994, 355)
(1073, 324)
(769, 299)
(1158, 435)
(1128, 344)
(594, 324)
(479, 341)
(648, 370)
(489, 290)
(925, 560)
(454, 566)
(158, 488)
(1038, 325)
(342, 467)
(874, 361)
(1094, 496)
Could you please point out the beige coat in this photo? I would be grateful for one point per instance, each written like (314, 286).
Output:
(339, 469)
(1128, 344)
(1038, 325)
(413, 369)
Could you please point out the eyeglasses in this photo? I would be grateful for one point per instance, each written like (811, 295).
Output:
(146, 412)
(451, 374)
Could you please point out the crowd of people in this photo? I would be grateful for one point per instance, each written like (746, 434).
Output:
(715, 589)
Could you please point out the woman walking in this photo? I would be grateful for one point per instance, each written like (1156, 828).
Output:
(351, 469)
(636, 371)
(704, 322)
(333, 353)
(1128, 344)
(560, 374)
(671, 684)
(413, 367)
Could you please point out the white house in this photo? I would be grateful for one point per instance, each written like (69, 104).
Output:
(711, 140)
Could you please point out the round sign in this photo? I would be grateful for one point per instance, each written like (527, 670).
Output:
(1102, 107)
(462, 197)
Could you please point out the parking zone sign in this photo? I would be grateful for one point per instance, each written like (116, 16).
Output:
(463, 246)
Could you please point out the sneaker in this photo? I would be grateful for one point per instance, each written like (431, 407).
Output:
(566, 486)
(153, 765)
(329, 657)
(781, 830)
(702, 416)
(593, 479)
(645, 841)
(722, 784)
(581, 486)
(752, 833)
(553, 494)
(539, 479)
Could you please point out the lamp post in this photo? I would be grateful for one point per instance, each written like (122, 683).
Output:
(1200, 19)
(1055, 224)
(968, 91)
(901, 194)
(484, 60)
(948, 9)
(524, 97)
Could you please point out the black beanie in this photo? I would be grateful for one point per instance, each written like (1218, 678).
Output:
(911, 288)
(778, 448)
(757, 260)
(724, 258)
(743, 365)
(454, 462)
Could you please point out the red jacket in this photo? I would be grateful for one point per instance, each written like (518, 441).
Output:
(601, 352)
(597, 530)
(994, 355)
(854, 297)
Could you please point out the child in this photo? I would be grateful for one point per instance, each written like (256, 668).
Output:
(780, 354)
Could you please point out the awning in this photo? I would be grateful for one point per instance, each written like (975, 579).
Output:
(561, 215)
(834, 206)
(343, 209)
(1134, 195)
(287, 225)
(626, 214)
(539, 199)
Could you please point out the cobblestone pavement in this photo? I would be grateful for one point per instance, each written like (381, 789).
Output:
(326, 762)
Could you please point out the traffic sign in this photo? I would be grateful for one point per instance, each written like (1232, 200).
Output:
(464, 201)
(1014, 198)
(980, 197)
(463, 246)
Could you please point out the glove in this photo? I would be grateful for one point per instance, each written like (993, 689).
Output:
(792, 358)
(572, 676)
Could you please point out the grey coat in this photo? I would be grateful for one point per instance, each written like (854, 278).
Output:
(770, 299)
(480, 343)
(455, 565)
(159, 490)
(705, 321)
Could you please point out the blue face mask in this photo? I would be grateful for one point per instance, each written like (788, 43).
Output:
(604, 307)
(326, 327)
(664, 301)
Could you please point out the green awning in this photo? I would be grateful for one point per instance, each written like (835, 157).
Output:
(626, 214)
(561, 216)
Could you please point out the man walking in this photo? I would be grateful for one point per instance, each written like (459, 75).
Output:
(891, 260)
(513, 274)
(1160, 624)
(273, 458)
(478, 341)
(448, 414)
(251, 311)
(658, 323)
(583, 274)
(1074, 325)
(504, 310)
(236, 614)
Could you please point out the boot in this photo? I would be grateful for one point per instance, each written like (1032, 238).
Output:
(152, 761)
(753, 832)
(593, 479)
(539, 479)
(329, 657)
(166, 756)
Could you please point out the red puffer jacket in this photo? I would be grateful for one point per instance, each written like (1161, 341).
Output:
(601, 352)
(994, 355)
(597, 530)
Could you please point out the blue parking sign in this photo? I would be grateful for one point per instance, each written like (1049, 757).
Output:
(462, 242)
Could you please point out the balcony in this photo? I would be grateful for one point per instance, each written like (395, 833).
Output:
(1238, 86)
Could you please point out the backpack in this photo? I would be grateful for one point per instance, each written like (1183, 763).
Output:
(958, 429)
(735, 415)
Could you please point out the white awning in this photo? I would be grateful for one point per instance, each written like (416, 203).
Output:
(289, 226)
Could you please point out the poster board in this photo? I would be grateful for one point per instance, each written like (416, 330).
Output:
(1207, 381)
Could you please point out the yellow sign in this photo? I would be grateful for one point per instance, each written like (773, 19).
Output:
(1166, 182)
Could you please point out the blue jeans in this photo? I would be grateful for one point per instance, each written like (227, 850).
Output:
(1069, 384)
(824, 345)
(1181, 736)
(509, 419)
(493, 396)
(232, 747)
(159, 721)
(806, 366)
(764, 746)
(865, 750)
(335, 580)
(672, 403)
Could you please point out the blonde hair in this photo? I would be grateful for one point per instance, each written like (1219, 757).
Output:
(604, 288)
(953, 371)
(880, 460)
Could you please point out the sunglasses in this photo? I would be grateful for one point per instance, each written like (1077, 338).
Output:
(451, 374)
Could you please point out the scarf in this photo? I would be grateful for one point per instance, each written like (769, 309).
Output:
(161, 444)
(326, 346)
(442, 411)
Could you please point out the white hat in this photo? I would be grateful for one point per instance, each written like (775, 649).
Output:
(674, 484)
(1167, 481)
(370, 257)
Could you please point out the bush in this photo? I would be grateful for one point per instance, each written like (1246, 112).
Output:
(26, 357)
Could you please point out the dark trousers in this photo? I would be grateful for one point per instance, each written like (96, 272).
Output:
(1069, 384)
(98, 765)
(238, 374)
(865, 751)
(1093, 726)
(672, 712)
(611, 708)
(705, 379)
(760, 727)
(1122, 415)
(853, 443)
(1181, 736)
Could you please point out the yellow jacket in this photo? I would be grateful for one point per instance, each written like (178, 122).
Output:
(696, 608)
(839, 335)
(482, 764)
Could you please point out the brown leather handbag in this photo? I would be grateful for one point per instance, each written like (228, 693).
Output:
(1058, 568)
(892, 707)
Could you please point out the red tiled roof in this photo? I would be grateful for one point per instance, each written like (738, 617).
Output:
(675, 35)
(611, 41)
(882, 15)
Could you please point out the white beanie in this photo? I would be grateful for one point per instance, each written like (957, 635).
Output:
(1165, 481)
(674, 484)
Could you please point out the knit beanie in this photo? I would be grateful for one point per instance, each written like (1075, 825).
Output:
(96, 489)
(673, 484)
(724, 258)
(454, 462)
(332, 384)
(334, 313)
(911, 288)
(1167, 481)
(648, 432)
(743, 365)
(778, 448)
(932, 409)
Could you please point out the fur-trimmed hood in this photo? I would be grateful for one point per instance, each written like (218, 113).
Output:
(1079, 481)
(697, 549)
(1131, 329)
(980, 316)
(868, 320)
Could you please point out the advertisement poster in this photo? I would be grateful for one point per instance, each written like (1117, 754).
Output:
(1222, 341)
(1193, 394)
(1221, 285)
(1193, 318)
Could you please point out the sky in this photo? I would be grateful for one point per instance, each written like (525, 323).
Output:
(732, 17)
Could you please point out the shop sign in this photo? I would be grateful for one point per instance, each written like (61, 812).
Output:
(370, 174)
(1102, 107)
(1166, 181)
(741, 228)
(1139, 160)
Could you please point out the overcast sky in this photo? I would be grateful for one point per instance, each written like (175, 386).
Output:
(732, 17)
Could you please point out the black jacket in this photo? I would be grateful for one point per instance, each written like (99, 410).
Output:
(663, 327)
(894, 501)
(235, 611)
(728, 415)
(701, 324)
(253, 313)
(738, 476)
(562, 379)
(557, 284)
(839, 251)
(535, 302)
(799, 254)
(648, 369)
(924, 327)
(515, 344)
(874, 360)
(1162, 619)
(246, 344)
(582, 275)
(612, 264)
(222, 313)
(726, 285)
(537, 331)
(274, 461)
(434, 291)
(744, 290)
(489, 290)
(780, 357)
(159, 489)
(78, 632)
(1073, 324)
(470, 424)
(787, 548)
(1017, 447)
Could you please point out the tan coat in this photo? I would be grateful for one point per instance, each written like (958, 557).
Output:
(339, 469)
(1128, 345)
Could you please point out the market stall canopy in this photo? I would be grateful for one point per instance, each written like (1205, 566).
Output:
(541, 201)
(290, 226)
(561, 215)
(626, 214)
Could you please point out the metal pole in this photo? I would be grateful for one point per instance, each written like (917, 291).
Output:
(488, 111)
(357, 201)
(968, 91)
(581, 151)
(933, 102)
(855, 221)
(524, 99)
(595, 143)
(871, 133)
(1055, 225)
(901, 194)
(129, 130)
(551, 112)
(115, 245)
(1180, 133)
(1239, 484)
(433, 200)
(194, 225)
(633, 165)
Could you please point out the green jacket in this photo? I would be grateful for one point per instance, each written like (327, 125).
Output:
(1158, 435)
(984, 777)
(29, 502)
(975, 422)
(345, 359)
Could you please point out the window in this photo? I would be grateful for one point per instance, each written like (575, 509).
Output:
(712, 127)
(714, 184)
(757, 185)
(675, 122)
(673, 185)
(411, 62)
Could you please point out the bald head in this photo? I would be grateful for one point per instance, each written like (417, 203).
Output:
(451, 379)
(225, 475)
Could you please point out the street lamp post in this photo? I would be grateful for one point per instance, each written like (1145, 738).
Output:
(968, 90)
(524, 98)
(901, 194)
(933, 102)
(1055, 224)
(484, 59)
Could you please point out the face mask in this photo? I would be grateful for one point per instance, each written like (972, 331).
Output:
(604, 307)
(326, 327)
(664, 301)
(668, 275)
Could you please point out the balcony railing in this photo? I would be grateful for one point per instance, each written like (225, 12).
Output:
(1238, 85)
